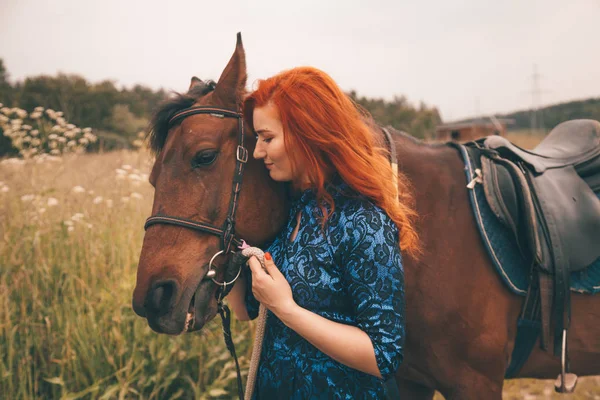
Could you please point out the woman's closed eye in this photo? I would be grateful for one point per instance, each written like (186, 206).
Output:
(264, 139)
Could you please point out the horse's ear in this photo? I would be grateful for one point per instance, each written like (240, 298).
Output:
(195, 82)
(232, 82)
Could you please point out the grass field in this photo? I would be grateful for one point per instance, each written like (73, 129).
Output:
(71, 232)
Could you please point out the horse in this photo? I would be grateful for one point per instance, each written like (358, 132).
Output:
(461, 318)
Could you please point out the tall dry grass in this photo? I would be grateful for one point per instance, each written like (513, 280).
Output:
(68, 260)
(67, 273)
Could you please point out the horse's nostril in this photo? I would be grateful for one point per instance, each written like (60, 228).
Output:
(162, 297)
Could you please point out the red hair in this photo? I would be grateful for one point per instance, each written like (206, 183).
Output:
(329, 133)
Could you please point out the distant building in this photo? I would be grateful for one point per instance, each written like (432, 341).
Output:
(464, 131)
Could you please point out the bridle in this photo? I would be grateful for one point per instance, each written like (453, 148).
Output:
(227, 231)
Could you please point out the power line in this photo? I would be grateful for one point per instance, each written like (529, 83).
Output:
(537, 115)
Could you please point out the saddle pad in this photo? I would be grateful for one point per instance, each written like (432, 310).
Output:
(502, 247)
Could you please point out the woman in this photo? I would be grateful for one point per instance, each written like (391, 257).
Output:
(333, 283)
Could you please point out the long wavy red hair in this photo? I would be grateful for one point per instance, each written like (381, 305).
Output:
(329, 133)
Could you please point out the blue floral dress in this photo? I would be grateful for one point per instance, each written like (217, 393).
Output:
(350, 273)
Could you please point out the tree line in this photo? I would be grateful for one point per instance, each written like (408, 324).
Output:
(550, 116)
(117, 115)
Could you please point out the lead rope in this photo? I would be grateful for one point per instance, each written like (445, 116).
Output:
(259, 332)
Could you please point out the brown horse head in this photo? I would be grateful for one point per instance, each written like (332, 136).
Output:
(193, 174)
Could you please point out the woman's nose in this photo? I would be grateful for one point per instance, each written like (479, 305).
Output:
(258, 151)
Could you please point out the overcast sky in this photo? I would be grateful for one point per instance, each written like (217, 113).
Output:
(465, 57)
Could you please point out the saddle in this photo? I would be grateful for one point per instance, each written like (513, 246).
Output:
(546, 198)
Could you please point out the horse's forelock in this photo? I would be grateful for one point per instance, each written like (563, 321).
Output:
(159, 126)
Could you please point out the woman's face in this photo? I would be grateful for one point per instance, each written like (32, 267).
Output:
(270, 146)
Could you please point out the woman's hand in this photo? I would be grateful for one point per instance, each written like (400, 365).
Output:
(270, 287)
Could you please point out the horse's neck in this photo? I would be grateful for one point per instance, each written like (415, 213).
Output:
(433, 170)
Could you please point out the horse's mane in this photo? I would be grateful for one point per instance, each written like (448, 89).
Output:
(159, 126)
(413, 139)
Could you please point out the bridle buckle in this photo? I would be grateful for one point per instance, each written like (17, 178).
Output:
(242, 154)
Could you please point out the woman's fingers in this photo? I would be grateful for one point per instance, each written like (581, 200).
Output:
(255, 267)
(272, 269)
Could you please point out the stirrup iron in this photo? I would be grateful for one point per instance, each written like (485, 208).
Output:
(566, 381)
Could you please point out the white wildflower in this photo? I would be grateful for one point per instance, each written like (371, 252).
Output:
(27, 139)
(77, 217)
(62, 139)
(109, 203)
(83, 141)
(36, 142)
(97, 200)
(87, 130)
(39, 109)
(61, 121)
(90, 226)
(13, 161)
(138, 143)
(52, 202)
(34, 132)
(50, 111)
(125, 199)
(52, 136)
(42, 210)
(68, 223)
(134, 177)
(71, 143)
(26, 127)
(35, 115)
(136, 195)
(5, 111)
(70, 229)
(78, 189)
(4, 189)
(126, 167)
(21, 113)
(3, 119)
(54, 151)
(120, 171)
(59, 113)
(27, 197)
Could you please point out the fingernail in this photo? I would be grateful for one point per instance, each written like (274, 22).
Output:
(268, 256)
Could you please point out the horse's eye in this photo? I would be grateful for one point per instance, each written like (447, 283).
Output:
(204, 158)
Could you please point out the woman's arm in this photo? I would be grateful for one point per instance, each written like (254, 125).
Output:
(346, 344)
